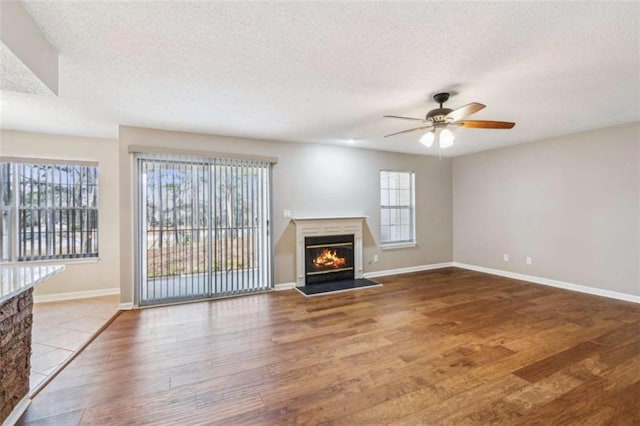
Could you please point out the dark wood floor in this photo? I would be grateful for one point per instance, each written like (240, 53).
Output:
(441, 347)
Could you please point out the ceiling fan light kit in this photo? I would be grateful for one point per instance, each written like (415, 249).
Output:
(428, 138)
(438, 120)
(446, 138)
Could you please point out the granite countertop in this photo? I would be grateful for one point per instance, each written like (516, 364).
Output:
(16, 279)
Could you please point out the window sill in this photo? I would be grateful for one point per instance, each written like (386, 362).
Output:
(80, 261)
(398, 246)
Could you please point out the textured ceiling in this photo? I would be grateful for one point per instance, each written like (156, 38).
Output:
(15, 76)
(326, 72)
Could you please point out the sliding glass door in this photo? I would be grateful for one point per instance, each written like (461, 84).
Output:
(203, 228)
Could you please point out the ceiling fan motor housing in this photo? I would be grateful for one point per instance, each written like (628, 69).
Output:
(438, 114)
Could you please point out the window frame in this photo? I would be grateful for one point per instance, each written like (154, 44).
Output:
(411, 207)
(18, 205)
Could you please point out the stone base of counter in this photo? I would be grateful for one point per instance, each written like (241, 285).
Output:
(15, 350)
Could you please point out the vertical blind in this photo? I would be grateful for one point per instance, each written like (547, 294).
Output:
(48, 211)
(203, 227)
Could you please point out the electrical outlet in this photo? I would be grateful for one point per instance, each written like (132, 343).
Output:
(375, 257)
(528, 260)
(286, 214)
(505, 257)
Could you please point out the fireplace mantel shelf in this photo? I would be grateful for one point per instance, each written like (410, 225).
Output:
(301, 219)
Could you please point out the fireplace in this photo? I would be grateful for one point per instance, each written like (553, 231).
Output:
(328, 230)
(329, 258)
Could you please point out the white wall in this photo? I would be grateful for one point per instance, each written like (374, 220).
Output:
(23, 38)
(571, 203)
(93, 276)
(314, 180)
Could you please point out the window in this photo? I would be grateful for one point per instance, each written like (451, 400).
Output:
(397, 208)
(48, 211)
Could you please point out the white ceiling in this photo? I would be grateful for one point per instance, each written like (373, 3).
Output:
(15, 76)
(326, 72)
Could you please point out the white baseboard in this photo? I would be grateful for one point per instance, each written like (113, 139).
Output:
(75, 295)
(552, 283)
(17, 412)
(407, 270)
(284, 286)
(125, 306)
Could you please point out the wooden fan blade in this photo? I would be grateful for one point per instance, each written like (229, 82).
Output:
(464, 111)
(410, 130)
(482, 124)
(403, 118)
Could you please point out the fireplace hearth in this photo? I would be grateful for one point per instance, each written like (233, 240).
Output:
(329, 258)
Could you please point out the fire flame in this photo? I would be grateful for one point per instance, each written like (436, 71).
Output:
(329, 258)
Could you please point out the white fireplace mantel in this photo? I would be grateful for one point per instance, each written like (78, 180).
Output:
(320, 226)
(327, 218)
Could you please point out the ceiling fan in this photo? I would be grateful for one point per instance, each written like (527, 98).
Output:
(437, 121)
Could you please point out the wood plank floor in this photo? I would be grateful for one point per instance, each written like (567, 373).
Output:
(441, 347)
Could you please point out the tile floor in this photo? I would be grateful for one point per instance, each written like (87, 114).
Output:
(60, 328)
